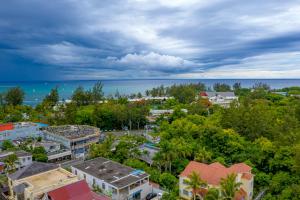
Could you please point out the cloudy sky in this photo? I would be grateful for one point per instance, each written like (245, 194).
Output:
(107, 39)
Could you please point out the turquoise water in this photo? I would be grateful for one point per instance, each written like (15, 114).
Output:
(36, 91)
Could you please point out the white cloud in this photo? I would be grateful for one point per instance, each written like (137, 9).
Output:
(155, 61)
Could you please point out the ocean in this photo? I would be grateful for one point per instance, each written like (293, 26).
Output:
(35, 91)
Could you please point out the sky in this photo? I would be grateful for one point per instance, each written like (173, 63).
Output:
(135, 39)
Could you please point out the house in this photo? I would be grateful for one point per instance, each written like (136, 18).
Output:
(148, 152)
(212, 174)
(24, 158)
(34, 181)
(55, 151)
(74, 191)
(77, 138)
(219, 98)
(155, 113)
(20, 130)
(114, 179)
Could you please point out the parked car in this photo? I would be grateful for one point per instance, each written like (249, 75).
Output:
(151, 196)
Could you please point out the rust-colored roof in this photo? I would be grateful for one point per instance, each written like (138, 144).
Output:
(203, 94)
(240, 195)
(201, 191)
(214, 172)
(247, 176)
(75, 191)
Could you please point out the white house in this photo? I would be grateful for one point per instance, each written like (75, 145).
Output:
(219, 98)
(24, 158)
(114, 179)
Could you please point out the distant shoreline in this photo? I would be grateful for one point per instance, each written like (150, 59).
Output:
(36, 90)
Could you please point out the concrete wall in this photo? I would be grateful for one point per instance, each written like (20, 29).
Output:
(109, 189)
(24, 161)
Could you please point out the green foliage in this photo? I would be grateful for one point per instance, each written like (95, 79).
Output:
(10, 162)
(213, 194)
(229, 187)
(39, 154)
(183, 93)
(6, 145)
(168, 181)
(52, 99)
(97, 93)
(14, 96)
(194, 182)
(222, 87)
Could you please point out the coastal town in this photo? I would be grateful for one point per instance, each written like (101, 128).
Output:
(168, 145)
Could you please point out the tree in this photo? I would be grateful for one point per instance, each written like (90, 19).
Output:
(52, 98)
(39, 154)
(203, 155)
(222, 87)
(194, 182)
(213, 194)
(6, 145)
(14, 96)
(97, 93)
(82, 97)
(297, 158)
(168, 181)
(10, 162)
(237, 86)
(229, 187)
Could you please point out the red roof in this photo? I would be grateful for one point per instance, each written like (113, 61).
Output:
(247, 176)
(75, 191)
(203, 94)
(214, 172)
(240, 195)
(6, 127)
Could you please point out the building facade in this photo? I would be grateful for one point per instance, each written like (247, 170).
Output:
(21, 130)
(115, 180)
(77, 138)
(223, 99)
(212, 175)
(34, 181)
(24, 158)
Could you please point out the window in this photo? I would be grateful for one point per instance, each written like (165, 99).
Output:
(94, 181)
(75, 172)
(84, 176)
(186, 193)
(24, 159)
(29, 158)
(103, 186)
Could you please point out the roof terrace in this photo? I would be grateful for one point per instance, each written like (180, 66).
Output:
(73, 131)
(112, 172)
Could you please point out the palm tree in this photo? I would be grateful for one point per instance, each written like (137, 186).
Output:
(229, 187)
(194, 183)
(10, 162)
(213, 194)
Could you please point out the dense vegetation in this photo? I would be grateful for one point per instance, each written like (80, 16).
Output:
(262, 129)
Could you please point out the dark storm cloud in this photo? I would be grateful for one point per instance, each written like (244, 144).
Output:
(72, 39)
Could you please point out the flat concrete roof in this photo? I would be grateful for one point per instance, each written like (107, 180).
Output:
(32, 169)
(20, 153)
(111, 172)
(73, 131)
(46, 181)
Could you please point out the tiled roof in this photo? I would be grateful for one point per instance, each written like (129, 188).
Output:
(214, 172)
(75, 191)
(240, 195)
(203, 94)
(247, 176)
